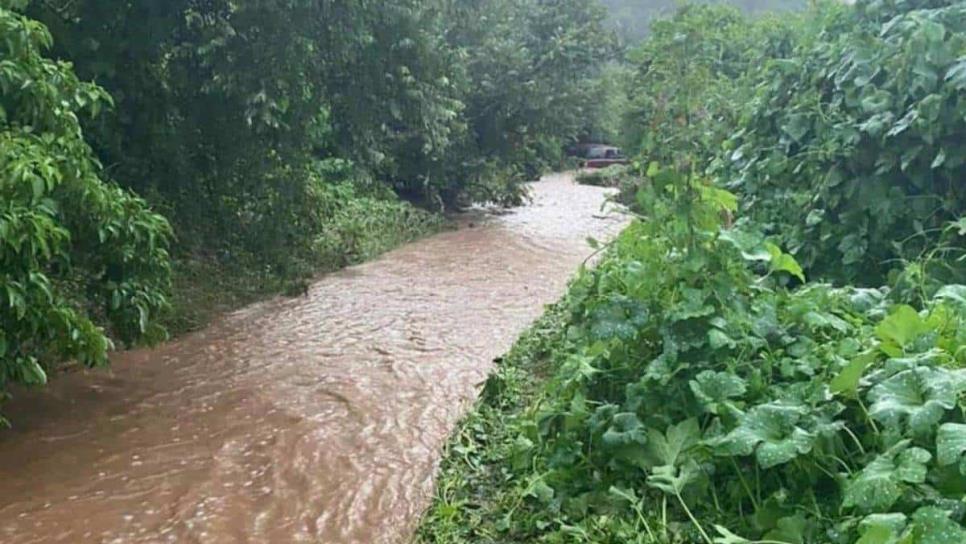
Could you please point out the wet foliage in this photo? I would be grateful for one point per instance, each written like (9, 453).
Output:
(707, 384)
(273, 140)
(856, 144)
(693, 397)
(222, 107)
(74, 248)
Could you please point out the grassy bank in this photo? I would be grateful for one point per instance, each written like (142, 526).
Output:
(472, 498)
(686, 392)
(625, 179)
(362, 228)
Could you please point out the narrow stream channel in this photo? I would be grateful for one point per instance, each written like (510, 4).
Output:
(315, 419)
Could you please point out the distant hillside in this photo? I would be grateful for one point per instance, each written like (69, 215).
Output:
(633, 17)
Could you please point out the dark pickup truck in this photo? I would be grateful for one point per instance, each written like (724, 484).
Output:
(599, 156)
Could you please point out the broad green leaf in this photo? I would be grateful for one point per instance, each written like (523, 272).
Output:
(673, 479)
(693, 303)
(933, 525)
(625, 429)
(951, 445)
(877, 534)
(899, 329)
(668, 448)
(815, 217)
(847, 381)
(718, 339)
(539, 490)
(610, 320)
(881, 529)
(916, 398)
(34, 374)
(721, 198)
(790, 530)
(770, 432)
(751, 245)
(783, 262)
(713, 389)
(939, 160)
(880, 484)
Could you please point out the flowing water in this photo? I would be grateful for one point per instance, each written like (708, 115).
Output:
(315, 419)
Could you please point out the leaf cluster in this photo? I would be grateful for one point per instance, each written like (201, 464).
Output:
(75, 249)
(852, 147)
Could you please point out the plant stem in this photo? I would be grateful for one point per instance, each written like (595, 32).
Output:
(867, 416)
(854, 439)
(744, 483)
(694, 520)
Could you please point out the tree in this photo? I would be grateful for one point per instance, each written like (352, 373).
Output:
(73, 247)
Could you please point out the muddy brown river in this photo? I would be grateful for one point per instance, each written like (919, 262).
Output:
(315, 419)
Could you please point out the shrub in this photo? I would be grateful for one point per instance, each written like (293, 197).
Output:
(612, 176)
(75, 250)
(697, 399)
(857, 141)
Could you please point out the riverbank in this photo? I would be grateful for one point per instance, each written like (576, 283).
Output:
(637, 407)
(472, 492)
(316, 418)
(205, 287)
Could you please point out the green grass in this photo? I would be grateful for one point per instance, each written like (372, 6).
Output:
(611, 176)
(472, 495)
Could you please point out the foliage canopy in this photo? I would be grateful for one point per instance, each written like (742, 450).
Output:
(277, 136)
(74, 248)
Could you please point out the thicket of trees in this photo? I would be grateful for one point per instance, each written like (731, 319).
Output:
(74, 249)
(263, 131)
(223, 107)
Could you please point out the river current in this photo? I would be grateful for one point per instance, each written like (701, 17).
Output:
(312, 419)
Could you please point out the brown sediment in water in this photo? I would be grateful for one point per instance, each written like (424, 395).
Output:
(314, 419)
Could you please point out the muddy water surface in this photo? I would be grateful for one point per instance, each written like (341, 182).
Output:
(317, 419)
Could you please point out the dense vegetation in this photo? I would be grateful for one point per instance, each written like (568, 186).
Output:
(773, 353)
(223, 107)
(776, 351)
(272, 140)
(869, 117)
(65, 233)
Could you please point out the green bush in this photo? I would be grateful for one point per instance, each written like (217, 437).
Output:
(857, 141)
(362, 227)
(612, 176)
(696, 399)
(700, 390)
(74, 250)
(705, 390)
